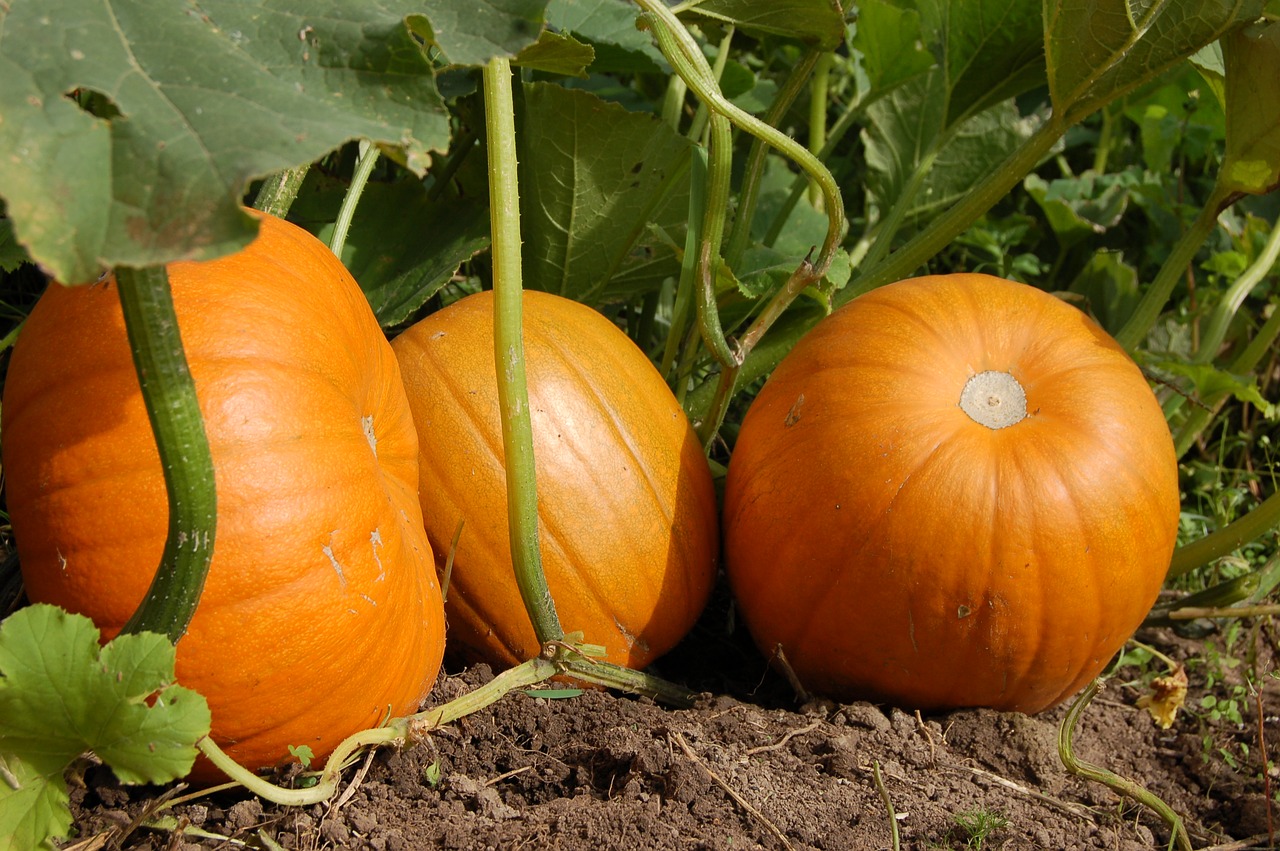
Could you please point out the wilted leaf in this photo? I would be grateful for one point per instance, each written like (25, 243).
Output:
(1167, 696)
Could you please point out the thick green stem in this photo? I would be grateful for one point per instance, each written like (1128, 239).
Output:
(1173, 269)
(946, 227)
(365, 162)
(170, 398)
(513, 397)
(749, 195)
(1119, 785)
(1261, 519)
(278, 191)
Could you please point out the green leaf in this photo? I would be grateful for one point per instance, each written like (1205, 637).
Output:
(1252, 160)
(610, 26)
(556, 53)
(592, 176)
(816, 21)
(989, 51)
(1211, 384)
(1100, 49)
(904, 136)
(158, 175)
(403, 246)
(1083, 206)
(1109, 289)
(889, 39)
(61, 694)
(473, 33)
(12, 254)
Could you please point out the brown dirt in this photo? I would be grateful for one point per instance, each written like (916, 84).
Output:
(748, 768)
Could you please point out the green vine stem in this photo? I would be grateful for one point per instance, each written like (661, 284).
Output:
(365, 161)
(1261, 519)
(682, 304)
(749, 194)
(1227, 308)
(1120, 785)
(686, 58)
(818, 91)
(1153, 301)
(1199, 417)
(169, 395)
(508, 341)
(397, 731)
(719, 173)
(278, 191)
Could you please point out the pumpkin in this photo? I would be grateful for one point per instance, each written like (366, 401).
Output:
(954, 491)
(321, 612)
(626, 508)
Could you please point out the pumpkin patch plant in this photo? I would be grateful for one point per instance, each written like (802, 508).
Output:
(321, 612)
(630, 539)
(955, 491)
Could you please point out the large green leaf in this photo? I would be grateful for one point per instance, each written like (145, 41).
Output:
(905, 134)
(403, 245)
(1099, 49)
(592, 176)
(610, 26)
(817, 21)
(990, 50)
(472, 33)
(61, 695)
(889, 39)
(1252, 161)
(193, 106)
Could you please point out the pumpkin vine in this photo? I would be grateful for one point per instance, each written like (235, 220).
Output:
(170, 398)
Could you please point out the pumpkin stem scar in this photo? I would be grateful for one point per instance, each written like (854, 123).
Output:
(994, 399)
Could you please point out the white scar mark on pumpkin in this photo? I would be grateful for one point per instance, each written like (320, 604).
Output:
(62, 561)
(366, 423)
(375, 541)
(911, 631)
(327, 549)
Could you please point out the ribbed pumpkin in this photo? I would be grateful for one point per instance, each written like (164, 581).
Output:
(954, 491)
(321, 612)
(626, 507)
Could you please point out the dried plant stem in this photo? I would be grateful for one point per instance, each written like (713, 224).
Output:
(895, 839)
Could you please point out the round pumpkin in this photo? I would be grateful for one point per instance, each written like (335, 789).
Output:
(321, 612)
(954, 491)
(626, 507)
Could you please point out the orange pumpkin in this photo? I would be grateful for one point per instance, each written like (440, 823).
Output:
(954, 491)
(321, 611)
(626, 507)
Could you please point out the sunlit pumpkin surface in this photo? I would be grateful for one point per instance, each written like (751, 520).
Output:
(321, 612)
(895, 548)
(626, 508)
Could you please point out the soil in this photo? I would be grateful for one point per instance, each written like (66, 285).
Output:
(750, 767)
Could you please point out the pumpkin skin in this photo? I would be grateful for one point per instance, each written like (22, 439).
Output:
(626, 507)
(321, 612)
(899, 551)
